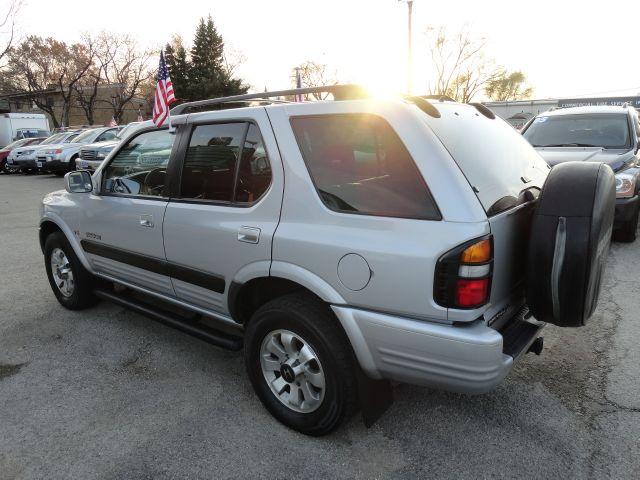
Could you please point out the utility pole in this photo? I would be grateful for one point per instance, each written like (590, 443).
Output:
(409, 45)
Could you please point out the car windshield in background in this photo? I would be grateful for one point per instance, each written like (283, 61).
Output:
(15, 144)
(595, 130)
(83, 136)
(52, 139)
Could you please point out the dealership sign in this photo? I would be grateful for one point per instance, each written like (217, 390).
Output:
(589, 102)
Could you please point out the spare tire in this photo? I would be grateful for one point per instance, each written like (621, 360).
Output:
(569, 242)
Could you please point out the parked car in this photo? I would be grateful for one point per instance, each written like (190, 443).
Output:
(92, 155)
(15, 126)
(412, 241)
(4, 153)
(61, 158)
(24, 158)
(609, 134)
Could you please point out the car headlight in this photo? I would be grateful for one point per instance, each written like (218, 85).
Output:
(625, 185)
(101, 155)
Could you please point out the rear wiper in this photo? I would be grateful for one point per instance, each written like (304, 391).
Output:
(567, 145)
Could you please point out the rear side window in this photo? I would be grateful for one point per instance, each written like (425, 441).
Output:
(210, 163)
(359, 165)
(217, 169)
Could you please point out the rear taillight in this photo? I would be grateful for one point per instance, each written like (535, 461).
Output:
(463, 275)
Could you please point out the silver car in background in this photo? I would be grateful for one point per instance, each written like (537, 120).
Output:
(61, 158)
(24, 159)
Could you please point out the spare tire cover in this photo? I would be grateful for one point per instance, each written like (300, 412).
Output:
(569, 242)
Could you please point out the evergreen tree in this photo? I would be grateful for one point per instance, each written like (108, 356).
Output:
(208, 75)
(176, 57)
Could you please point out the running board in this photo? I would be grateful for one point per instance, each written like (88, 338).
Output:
(186, 325)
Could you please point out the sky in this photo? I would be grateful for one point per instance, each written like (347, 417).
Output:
(566, 48)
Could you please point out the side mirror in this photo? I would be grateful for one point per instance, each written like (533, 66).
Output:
(78, 181)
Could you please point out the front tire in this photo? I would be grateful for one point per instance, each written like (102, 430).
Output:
(301, 364)
(71, 283)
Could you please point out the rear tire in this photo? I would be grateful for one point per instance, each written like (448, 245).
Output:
(628, 231)
(320, 398)
(71, 283)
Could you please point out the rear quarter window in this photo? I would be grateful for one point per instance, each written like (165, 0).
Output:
(359, 165)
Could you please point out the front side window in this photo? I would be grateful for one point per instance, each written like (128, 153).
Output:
(583, 130)
(360, 165)
(140, 167)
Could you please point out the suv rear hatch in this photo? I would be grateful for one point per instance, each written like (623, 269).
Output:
(506, 174)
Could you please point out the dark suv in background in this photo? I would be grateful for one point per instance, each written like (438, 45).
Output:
(609, 134)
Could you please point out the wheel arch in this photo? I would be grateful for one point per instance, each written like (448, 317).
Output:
(49, 225)
(260, 282)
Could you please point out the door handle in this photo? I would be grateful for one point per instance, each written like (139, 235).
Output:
(249, 234)
(146, 221)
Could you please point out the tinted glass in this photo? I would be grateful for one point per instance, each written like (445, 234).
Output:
(254, 174)
(140, 167)
(360, 165)
(598, 130)
(210, 162)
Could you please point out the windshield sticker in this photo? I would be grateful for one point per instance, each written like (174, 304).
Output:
(540, 119)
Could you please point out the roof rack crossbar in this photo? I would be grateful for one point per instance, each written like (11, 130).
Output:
(341, 92)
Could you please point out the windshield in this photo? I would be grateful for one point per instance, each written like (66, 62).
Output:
(84, 136)
(52, 139)
(15, 144)
(590, 130)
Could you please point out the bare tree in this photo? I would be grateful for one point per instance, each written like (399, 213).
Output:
(8, 26)
(125, 69)
(40, 68)
(87, 88)
(314, 74)
(461, 67)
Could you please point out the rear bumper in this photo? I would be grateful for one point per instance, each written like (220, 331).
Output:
(463, 358)
(625, 209)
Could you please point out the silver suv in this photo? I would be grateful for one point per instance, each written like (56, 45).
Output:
(343, 243)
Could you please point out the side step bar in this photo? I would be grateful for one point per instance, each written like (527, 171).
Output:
(189, 326)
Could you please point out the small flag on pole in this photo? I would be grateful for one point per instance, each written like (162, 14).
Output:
(164, 94)
(113, 122)
(299, 97)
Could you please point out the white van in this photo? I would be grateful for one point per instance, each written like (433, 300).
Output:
(14, 126)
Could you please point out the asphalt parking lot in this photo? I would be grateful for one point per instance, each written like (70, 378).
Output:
(106, 393)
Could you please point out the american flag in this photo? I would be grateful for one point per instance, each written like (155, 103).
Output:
(164, 94)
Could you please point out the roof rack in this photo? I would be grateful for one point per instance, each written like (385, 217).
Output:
(340, 92)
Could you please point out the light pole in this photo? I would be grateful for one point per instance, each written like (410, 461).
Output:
(409, 45)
